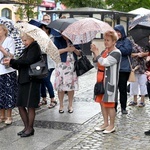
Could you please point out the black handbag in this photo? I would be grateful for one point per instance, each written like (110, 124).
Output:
(39, 70)
(99, 88)
(82, 65)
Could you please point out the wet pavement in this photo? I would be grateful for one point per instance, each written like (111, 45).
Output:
(54, 131)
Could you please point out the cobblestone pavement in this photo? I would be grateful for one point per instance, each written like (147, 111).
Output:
(129, 133)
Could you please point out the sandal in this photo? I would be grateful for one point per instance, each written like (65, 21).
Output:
(8, 121)
(132, 103)
(55, 102)
(52, 105)
(61, 111)
(42, 103)
(141, 104)
(70, 110)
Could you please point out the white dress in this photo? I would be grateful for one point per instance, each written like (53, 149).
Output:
(65, 77)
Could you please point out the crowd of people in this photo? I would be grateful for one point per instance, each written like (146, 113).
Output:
(113, 70)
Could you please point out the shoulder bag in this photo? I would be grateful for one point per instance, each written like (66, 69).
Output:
(82, 65)
(39, 70)
(99, 86)
(132, 73)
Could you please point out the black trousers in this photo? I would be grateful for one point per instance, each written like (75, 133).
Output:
(148, 89)
(122, 86)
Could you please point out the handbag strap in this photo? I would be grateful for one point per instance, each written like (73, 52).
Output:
(102, 73)
(82, 53)
(100, 70)
(130, 63)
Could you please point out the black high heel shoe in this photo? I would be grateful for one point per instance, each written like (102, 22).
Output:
(70, 110)
(27, 134)
(21, 132)
(61, 111)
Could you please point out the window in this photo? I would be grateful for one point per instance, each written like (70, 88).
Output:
(7, 13)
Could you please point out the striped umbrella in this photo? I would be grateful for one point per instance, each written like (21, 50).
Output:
(14, 33)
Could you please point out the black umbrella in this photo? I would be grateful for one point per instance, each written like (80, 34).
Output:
(37, 23)
(139, 29)
(61, 24)
(139, 19)
(41, 23)
(140, 33)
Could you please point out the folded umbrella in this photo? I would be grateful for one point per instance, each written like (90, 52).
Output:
(42, 38)
(84, 30)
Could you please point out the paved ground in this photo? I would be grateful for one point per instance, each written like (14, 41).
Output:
(54, 131)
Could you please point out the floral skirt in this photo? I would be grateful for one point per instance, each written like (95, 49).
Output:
(8, 90)
(65, 77)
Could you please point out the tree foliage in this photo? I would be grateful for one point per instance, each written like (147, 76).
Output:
(83, 3)
(26, 9)
(120, 5)
(127, 5)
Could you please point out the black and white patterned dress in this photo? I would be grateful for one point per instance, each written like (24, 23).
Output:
(8, 90)
(8, 79)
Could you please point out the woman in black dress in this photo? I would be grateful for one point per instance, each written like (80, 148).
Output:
(29, 89)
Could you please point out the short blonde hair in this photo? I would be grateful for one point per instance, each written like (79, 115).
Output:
(24, 35)
(111, 34)
(5, 29)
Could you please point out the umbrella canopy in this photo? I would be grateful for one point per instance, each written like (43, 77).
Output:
(85, 30)
(37, 22)
(40, 23)
(61, 24)
(139, 19)
(139, 29)
(13, 32)
(42, 38)
(140, 34)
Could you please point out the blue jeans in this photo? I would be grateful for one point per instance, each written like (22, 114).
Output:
(46, 83)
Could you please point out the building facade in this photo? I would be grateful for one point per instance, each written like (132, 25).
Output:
(9, 7)
(8, 11)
